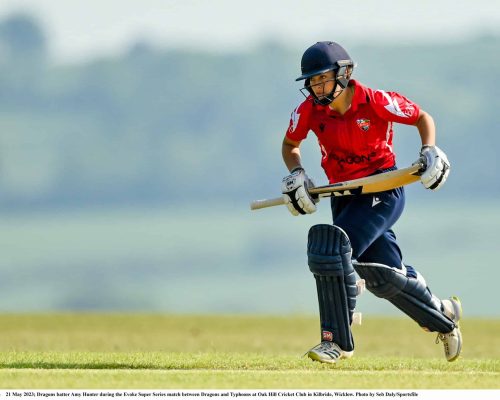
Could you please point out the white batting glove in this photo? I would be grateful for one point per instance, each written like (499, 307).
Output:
(437, 167)
(295, 192)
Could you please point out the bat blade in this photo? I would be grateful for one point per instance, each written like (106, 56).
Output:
(374, 183)
(370, 184)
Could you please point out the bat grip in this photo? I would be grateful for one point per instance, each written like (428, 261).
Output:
(258, 204)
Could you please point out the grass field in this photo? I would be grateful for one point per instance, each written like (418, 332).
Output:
(131, 351)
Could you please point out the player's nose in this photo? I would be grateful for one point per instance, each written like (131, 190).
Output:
(319, 89)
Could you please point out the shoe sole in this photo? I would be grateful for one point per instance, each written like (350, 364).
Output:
(315, 357)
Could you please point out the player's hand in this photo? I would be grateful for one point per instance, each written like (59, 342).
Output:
(296, 194)
(437, 167)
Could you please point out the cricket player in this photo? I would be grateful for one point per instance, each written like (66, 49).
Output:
(354, 128)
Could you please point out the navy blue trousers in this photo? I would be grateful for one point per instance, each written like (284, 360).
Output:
(368, 219)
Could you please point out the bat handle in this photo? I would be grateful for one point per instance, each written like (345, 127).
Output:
(258, 204)
(422, 162)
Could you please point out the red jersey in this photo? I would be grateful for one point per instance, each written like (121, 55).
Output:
(358, 143)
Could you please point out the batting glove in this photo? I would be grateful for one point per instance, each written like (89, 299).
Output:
(437, 167)
(295, 192)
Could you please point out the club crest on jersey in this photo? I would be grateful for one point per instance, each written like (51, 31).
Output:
(363, 124)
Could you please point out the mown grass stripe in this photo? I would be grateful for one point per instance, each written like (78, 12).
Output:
(123, 351)
(266, 371)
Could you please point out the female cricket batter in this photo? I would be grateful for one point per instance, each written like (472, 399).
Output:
(354, 128)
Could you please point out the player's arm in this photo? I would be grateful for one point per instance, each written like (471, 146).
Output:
(438, 166)
(426, 129)
(291, 153)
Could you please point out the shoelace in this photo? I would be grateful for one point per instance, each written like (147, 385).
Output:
(441, 337)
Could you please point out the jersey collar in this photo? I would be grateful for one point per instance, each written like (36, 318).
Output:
(360, 95)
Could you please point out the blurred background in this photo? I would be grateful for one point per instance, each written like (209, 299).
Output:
(134, 134)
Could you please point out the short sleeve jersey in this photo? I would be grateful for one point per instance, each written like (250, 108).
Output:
(359, 142)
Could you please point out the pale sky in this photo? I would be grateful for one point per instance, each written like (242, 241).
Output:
(82, 29)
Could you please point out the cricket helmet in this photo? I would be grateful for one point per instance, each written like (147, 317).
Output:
(323, 57)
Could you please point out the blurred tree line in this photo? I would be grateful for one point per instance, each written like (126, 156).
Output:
(162, 126)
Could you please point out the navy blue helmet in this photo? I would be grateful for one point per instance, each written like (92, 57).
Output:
(323, 57)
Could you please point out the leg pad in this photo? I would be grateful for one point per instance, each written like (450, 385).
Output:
(329, 259)
(408, 294)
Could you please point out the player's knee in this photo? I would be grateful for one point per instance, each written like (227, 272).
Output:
(329, 251)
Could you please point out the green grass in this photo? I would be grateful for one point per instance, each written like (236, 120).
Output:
(95, 351)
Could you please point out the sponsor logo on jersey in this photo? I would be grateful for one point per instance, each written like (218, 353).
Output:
(353, 158)
(295, 120)
(363, 124)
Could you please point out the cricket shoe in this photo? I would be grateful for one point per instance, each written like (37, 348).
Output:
(452, 341)
(328, 352)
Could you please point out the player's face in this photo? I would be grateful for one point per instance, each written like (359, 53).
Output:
(322, 84)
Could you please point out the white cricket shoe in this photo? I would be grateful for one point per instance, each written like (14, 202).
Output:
(328, 352)
(452, 341)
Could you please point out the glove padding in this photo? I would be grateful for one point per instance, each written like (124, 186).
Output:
(437, 167)
(296, 194)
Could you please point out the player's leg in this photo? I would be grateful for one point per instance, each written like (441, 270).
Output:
(329, 259)
(367, 217)
(367, 221)
(407, 290)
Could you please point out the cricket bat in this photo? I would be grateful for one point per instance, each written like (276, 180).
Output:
(370, 184)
